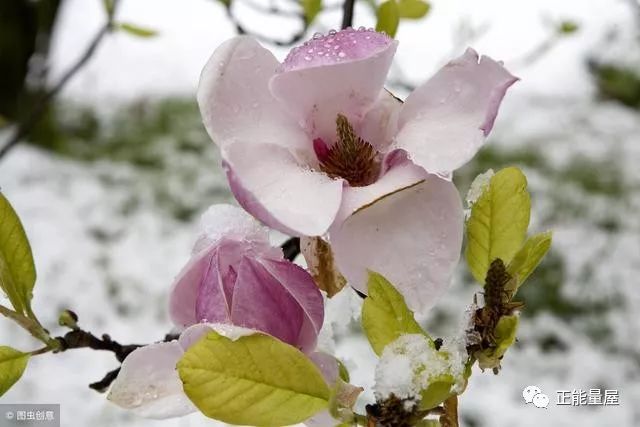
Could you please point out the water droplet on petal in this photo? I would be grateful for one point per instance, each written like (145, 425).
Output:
(341, 54)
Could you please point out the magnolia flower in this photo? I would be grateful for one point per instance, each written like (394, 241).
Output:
(315, 145)
(235, 284)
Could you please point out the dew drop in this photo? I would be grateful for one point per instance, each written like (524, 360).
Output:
(341, 54)
(361, 28)
(317, 36)
(307, 58)
(332, 32)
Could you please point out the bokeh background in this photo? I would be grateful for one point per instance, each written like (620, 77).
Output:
(111, 182)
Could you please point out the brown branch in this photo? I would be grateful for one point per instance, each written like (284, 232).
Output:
(293, 39)
(291, 248)
(27, 125)
(450, 416)
(347, 13)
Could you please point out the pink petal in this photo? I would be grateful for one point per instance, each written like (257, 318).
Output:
(380, 124)
(235, 101)
(412, 237)
(203, 266)
(403, 174)
(327, 364)
(260, 302)
(215, 289)
(270, 184)
(444, 122)
(300, 285)
(148, 382)
(184, 291)
(315, 91)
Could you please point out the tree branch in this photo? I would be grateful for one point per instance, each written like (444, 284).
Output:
(347, 13)
(241, 29)
(27, 125)
(291, 248)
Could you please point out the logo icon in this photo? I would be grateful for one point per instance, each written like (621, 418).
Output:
(533, 394)
(9, 415)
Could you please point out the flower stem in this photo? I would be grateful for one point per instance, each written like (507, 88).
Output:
(450, 416)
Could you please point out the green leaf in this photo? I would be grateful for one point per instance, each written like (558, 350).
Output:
(505, 336)
(311, 8)
(528, 258)
(498, 223)
(385, 315)
(413, 9)
(437, 392)
(568, 27)
(136, 30)
(12, 366)
(17, 270)
(343, 372)
(388, 17)
(254, 380)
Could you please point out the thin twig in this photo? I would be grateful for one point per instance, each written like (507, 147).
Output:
(291, 248)
(450, 416)
(272, 10)
(293, 39)
(30, 325)
(347, 13)
(27, 125)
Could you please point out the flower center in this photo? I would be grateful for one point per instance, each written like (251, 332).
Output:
(351, 157)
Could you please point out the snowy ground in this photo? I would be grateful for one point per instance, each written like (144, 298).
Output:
(109, 235)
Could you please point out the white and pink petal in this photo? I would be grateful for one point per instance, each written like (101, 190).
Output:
(338, 73)
(444, 122)
(235, 101)
(274, 187)
(412, 237)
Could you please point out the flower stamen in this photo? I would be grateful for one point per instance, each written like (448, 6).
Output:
(351, 157)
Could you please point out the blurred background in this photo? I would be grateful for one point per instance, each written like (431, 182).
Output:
(112, 177)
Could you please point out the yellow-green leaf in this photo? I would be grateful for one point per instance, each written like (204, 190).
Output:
(17, 270)
(413, 9)
(137, 30)
(528, 258)
(498, 222)
(254, 380)
(388, 17)
(385, 315)
(437, 392)
(12, 366)
(311, 8)
(568, 27)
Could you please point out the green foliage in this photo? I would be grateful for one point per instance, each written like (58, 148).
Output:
(617, 83)
(254, 380)
(498, 223)
(311, 8)
(388, 15)
(17, 270)
(413, 9)
(528, 258)
(136, 30)
(12, 366)
(568, 27)
(385, 315)
(438, 391)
